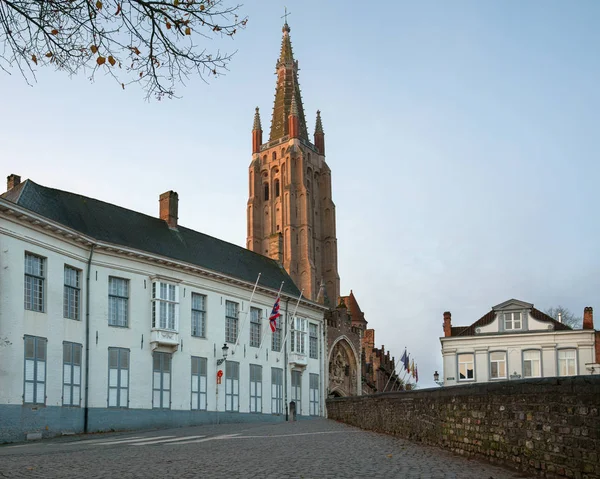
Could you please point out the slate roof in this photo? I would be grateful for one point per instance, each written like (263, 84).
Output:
(113, 224)
(489, 317)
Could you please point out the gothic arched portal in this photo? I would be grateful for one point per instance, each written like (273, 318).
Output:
(343, 369)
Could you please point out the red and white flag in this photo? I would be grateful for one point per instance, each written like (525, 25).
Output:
(274, 315)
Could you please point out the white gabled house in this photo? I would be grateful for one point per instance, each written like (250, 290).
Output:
(515, 340)
(112, 319)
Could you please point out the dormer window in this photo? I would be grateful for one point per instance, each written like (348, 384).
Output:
(512, 321)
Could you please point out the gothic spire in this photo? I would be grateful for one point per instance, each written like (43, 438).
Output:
(287, 88)
(318, 124)
(257, 126)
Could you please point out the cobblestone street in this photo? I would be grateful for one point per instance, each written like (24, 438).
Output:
(306, 449)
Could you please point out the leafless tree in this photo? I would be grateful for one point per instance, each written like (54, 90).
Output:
(155, 43)
(566, 316)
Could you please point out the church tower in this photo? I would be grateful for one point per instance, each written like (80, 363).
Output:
(291, 215)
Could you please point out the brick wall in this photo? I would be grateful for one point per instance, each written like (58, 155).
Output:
(548, 427)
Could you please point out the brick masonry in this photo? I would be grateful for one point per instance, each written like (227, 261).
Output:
(547, 427)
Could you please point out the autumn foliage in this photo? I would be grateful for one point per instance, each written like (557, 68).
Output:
(154, 43)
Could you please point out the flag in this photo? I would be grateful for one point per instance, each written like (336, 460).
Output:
(412, 368)
(404, 359)
(407, 365)
(274, 315)
(416, 374)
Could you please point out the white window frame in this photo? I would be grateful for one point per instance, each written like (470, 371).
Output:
(566, 362)
(255, 327)
(255, 388)
(298, 336)
(510, 319)
(35, 370)
(165, 306)
(199, 315)
(498, 361)
(232, 386)
(313, 341)
(199, 382)
(118, 378)
(538, 359)
(313, 396)
(35, 282)
(459, 362)
(276, 391)
(232, 314)
(72, 293)
(118, 302)
(161, 380)
(72, 358)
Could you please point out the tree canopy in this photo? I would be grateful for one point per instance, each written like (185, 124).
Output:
(157, 44)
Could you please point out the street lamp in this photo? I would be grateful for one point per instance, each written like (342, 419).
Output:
(225, 349)
(436, 379)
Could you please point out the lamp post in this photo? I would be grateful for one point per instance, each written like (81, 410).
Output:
(225, 350)
(436, 379)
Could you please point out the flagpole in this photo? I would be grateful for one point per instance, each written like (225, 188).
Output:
(293, 316)
(265, 332)
(388, 381)
(237, 341)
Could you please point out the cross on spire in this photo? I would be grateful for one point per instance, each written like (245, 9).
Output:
(285, 15)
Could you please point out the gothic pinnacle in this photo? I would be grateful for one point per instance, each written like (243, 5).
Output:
(318, 124)
(294, 107)
(257, 126)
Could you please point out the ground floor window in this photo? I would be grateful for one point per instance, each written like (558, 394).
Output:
(531, 364)
(161, 379)
(567, 362)
(466, 367)
(314, 394)
(255, 388)
(297, 390)
(232, 386)
(276, 391)
(199, 383)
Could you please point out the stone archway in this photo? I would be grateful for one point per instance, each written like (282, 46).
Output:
(344, 374)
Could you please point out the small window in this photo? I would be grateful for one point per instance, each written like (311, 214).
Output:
(255, 327)
(531, 364)
(72, 293)
(35, 272)
(118, 299)
(277, 188)
(266, 190)
(313, 351)
(498, 365)
(512, 321)
(231, 321)
(567, 362)
(198, 315)
(466, 367)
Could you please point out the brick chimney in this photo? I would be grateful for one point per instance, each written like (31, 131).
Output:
(588, 318)
(12, 181)
(169, 202)
(447, 324)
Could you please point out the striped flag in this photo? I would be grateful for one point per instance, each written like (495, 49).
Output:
(274, 315)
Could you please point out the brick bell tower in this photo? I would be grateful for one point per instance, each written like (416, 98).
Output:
(291, 215)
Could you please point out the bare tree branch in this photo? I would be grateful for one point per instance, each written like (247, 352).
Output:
(154, 43)
(566, 316)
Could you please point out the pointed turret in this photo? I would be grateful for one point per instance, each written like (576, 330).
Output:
(319, 134)
(256, 132)
(293, 120)
(287, 89)
(322, 297)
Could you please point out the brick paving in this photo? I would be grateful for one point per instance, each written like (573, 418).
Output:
(317, 448)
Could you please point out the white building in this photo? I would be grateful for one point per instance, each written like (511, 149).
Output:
(513, 341)
(112, 319)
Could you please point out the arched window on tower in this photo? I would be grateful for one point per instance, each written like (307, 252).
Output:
(266, 188)
(274, 156)
(276, 188)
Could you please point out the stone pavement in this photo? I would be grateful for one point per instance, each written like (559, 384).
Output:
(317, 448)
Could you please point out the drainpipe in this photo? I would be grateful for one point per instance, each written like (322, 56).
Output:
(87, 342)
(321, 378)
(285, 360)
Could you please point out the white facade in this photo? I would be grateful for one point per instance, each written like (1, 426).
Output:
(142, 380)
(513, 344)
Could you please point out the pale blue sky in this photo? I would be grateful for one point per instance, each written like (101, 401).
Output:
(463, 138)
